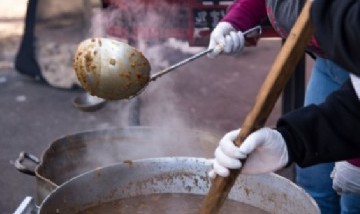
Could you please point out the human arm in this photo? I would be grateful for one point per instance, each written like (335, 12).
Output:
(242, 15)
(245, 14)
(326, 132)
(315, 134)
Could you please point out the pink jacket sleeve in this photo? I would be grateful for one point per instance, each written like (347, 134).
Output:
(355, 162)
(245, 14)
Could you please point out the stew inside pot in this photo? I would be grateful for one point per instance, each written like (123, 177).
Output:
(174, 203)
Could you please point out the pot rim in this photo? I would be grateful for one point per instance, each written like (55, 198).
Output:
(306, 199)
(57, 142)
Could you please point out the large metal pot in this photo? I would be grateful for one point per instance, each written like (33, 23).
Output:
(75, 154)
(270, 192)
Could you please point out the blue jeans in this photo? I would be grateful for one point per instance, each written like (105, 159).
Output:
(326, 77)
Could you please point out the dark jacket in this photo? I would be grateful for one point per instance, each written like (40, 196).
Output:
(330, 131)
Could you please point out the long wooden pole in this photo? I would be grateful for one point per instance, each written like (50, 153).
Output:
(281, 70)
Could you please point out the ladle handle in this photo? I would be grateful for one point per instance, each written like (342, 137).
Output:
(281, 70)
(183, 62)
(198, 55)
(21, 167)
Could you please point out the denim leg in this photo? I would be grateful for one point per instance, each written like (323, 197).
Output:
(350, 204)
(326, 77)
(316, 181)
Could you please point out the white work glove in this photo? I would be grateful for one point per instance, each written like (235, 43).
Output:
(346, 178)
(355, 80)
(225, 38)
(265, 150)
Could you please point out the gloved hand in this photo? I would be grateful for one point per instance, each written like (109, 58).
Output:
(225, 38)
(346, 178)
(355, 80)
(265, 150)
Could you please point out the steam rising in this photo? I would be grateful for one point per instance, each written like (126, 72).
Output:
(159, 106)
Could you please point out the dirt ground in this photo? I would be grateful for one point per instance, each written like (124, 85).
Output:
(212, 95)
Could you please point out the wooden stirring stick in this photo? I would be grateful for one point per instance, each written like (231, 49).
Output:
(282, 69)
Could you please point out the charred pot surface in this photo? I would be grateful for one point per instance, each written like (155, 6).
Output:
(110, 69)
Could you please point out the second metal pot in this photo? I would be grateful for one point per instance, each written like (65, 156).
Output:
(78, 153)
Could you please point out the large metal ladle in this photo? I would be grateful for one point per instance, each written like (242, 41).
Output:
(114, 70)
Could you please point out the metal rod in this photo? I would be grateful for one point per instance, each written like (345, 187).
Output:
(183, 62)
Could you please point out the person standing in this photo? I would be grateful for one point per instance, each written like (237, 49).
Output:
(326, 77)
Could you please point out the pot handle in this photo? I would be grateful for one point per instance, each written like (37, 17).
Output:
(22, 168)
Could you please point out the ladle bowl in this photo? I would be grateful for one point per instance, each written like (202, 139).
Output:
(111, 69)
